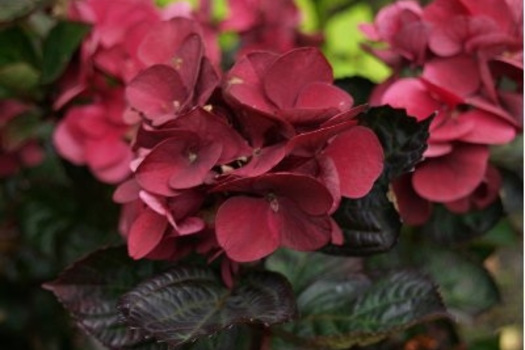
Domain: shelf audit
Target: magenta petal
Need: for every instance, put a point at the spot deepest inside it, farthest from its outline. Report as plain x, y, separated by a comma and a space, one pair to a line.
299, 230
243, 231
446, 128
158, 92
458, 74
358, 157
146, 233
452, 176
320, 95
187, 60
488, 128
290, 73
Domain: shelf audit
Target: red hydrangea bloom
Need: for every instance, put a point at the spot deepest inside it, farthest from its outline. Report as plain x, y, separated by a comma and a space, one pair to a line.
285, 161
471, 75
16, 152
94, 135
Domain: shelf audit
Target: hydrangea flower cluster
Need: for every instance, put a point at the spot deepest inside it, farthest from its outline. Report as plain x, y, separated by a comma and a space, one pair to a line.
239, 163
16, 150
463, 60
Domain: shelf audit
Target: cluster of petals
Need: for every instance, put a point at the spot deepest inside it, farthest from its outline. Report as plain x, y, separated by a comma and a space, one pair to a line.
118, 46
460, 60
267, 25
16, 149
242, 163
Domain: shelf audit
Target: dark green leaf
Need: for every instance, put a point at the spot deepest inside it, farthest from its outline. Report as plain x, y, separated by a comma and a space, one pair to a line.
59, 46
466, 285
403, 138
186, 303
362, 314
303, 269
13, 9
512, 197
358, 87
447, 228
16, 47
90, 289
370, 224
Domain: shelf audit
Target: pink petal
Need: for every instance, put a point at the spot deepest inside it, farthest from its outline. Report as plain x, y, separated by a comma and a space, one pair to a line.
107, 152
411, 94
452, 176
488, 128
458, 74
437, 149
115, 173
158, 92
67, 145
187, 60
243, 230
291, 72
358, 157
146, 233
126, 192
449, 127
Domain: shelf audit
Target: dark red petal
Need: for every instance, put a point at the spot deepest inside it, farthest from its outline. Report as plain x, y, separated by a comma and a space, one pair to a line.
157, 168
291, 72
319, 95
452, 176
411, 94
189, 172
299, 230
243, 230
358, 157
158, 92
488, 128
262, 161
145, 234
413, 209
306, 192
458, 74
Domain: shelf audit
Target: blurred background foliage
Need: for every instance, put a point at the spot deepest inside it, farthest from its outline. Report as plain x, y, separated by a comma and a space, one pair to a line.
55, 213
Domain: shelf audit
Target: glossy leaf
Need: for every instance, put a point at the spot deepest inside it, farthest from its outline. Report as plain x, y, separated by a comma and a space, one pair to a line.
466, 285
16, 47
403, 138
186, 303
361, 313
303, 269
449, 228
370, 224
90, 289
60, 45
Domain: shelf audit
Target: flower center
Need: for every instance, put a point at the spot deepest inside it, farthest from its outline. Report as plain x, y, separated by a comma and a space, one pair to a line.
274, 203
